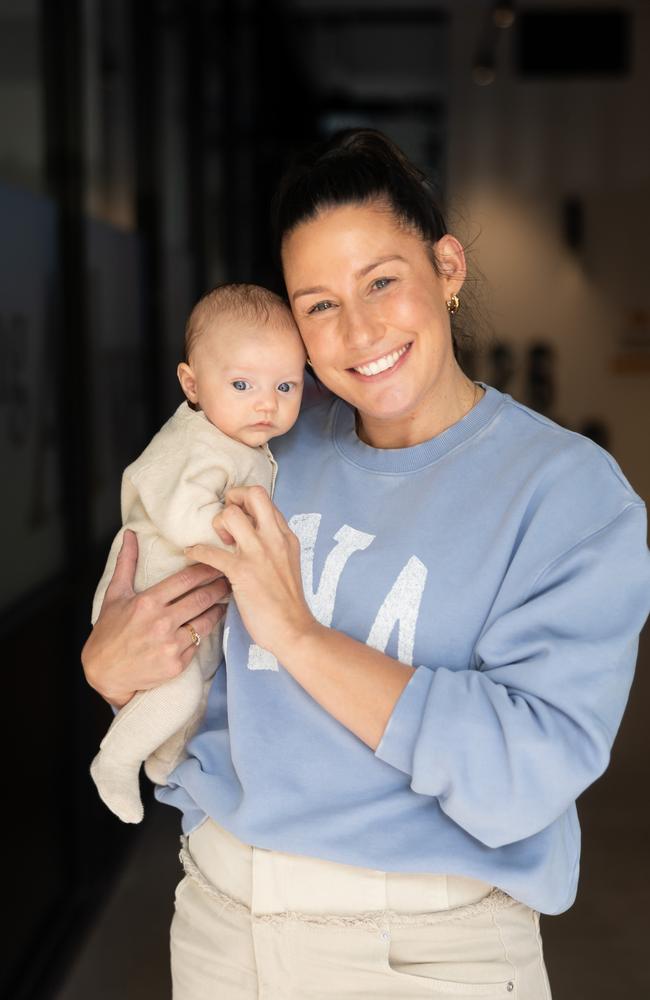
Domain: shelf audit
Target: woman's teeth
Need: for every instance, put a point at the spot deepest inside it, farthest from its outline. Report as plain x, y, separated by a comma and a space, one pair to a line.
382, 364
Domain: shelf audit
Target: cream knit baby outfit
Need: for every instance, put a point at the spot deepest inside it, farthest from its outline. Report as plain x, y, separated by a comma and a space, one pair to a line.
170, 495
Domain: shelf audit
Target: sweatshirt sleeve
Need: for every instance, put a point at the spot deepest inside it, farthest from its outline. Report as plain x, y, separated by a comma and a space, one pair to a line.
182, 495
507, 747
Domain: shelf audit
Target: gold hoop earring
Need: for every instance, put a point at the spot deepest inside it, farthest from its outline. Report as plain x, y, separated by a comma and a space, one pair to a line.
453, 305
309, 363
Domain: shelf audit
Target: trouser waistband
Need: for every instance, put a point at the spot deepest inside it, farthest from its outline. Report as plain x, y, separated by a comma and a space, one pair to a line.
268, 881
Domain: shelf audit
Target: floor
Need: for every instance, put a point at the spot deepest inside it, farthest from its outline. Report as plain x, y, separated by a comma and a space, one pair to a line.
598, 950
595, 951
125, 955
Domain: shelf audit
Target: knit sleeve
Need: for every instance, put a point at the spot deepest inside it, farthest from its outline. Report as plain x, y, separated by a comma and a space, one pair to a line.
507, 747
182, 495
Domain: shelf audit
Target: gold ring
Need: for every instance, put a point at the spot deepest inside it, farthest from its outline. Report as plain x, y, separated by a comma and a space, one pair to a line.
196, 638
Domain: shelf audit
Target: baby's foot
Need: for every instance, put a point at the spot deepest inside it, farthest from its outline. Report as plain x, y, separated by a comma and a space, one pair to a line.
118, 787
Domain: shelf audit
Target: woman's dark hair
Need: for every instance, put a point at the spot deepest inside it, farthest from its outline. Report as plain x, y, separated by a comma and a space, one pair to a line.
356, 166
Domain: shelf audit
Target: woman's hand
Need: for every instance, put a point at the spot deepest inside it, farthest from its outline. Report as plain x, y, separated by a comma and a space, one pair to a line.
355, 683
263, 570
139, 640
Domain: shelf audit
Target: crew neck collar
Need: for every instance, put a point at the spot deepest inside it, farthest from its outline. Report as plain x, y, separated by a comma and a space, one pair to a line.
418, 456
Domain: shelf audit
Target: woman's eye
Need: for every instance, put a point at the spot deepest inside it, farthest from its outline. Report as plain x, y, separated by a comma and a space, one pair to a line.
381, 283
285, 386
240, 384
319, 307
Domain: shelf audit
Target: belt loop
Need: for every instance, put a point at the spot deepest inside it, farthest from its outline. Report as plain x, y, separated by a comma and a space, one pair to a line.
270, 882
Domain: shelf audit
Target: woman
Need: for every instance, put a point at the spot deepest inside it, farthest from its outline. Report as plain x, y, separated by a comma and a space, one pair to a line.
431, 649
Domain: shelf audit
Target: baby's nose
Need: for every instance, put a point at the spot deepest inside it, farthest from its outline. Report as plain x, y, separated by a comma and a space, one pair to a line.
267, 402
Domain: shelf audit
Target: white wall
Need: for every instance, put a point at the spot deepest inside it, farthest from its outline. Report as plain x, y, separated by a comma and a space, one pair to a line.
517, 149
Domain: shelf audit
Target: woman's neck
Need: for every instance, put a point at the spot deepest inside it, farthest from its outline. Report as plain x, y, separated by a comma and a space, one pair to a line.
434, 415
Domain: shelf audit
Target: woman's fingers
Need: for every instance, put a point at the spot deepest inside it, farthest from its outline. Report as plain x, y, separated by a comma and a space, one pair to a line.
197, 603
281, 521
224, 535
240, 525
255, 502
184, 580
204, 625
121, 584
137, 643
187, 656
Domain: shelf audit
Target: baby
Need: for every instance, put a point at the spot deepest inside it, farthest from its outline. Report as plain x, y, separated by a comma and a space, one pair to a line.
243, 379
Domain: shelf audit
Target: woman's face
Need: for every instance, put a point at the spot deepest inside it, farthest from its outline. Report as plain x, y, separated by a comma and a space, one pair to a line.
371, 309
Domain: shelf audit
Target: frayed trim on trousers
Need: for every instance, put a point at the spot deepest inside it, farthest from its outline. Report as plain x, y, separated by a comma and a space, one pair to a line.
372, 920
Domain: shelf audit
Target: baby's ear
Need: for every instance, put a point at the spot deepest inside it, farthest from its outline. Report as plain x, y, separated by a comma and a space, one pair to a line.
188, 382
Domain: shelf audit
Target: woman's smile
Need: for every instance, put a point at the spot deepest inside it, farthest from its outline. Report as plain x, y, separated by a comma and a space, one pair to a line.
384, 366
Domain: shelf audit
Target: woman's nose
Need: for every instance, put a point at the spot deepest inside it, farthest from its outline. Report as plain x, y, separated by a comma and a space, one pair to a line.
360, 327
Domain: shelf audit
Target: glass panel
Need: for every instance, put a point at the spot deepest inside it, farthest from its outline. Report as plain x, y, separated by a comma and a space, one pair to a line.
119, 400
177, 253
21, 104
29, 426
109, 119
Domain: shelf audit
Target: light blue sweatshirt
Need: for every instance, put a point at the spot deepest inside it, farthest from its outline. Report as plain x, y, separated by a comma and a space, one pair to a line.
506, 560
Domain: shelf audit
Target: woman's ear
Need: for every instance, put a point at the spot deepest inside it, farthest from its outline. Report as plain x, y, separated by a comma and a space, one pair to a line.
450, 258
187, 380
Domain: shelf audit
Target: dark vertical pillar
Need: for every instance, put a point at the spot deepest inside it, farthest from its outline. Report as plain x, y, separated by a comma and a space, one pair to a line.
194, 37
237, 137
63, 46
285, 119
212, 154
62, 41
91, 844
146, 48
229, 229
48, 627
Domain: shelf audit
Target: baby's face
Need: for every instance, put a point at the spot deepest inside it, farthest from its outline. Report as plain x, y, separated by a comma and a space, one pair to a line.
249, 379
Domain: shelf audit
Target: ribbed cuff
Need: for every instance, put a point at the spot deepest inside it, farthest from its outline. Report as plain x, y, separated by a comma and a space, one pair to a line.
397, 745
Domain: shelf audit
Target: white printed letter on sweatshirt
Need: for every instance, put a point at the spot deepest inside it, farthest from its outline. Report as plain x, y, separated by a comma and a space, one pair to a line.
401, 607
321, 601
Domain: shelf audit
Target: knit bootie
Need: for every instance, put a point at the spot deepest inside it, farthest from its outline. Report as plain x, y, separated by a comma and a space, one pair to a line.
118, 785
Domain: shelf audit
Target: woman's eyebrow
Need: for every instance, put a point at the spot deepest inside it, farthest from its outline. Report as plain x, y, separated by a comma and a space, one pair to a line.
307, 291
317, 289
380, 260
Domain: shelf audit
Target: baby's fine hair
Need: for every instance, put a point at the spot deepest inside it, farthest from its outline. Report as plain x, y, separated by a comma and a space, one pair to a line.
236, 301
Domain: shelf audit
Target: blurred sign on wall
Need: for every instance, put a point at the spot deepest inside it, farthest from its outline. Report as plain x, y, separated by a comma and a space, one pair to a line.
633, 347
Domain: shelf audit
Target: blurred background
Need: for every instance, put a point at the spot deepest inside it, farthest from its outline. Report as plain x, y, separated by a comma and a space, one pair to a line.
140, 143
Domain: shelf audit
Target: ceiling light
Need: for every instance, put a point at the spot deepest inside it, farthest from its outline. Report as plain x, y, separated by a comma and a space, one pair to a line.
503, 14
484, 71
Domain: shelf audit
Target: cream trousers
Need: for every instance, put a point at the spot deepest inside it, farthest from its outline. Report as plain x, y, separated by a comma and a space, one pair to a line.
254, 924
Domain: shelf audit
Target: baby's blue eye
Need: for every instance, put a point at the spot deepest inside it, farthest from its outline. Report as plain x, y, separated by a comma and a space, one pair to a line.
285, 386
240, 384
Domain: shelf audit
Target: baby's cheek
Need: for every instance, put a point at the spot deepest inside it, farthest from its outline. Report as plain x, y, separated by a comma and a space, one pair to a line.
295, 408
